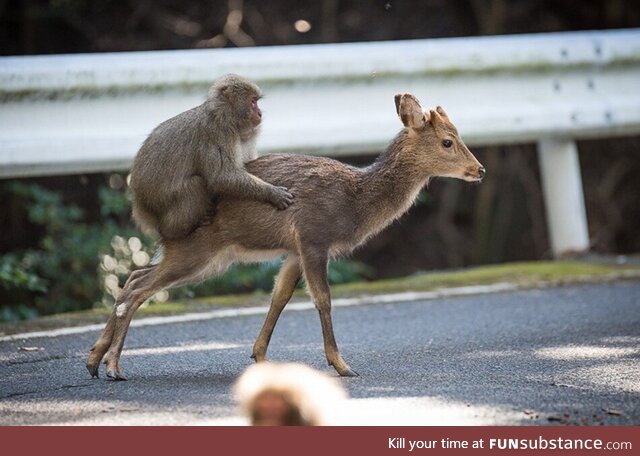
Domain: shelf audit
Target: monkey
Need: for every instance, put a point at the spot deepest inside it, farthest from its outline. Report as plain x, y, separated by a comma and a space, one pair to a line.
191, 158
288, 394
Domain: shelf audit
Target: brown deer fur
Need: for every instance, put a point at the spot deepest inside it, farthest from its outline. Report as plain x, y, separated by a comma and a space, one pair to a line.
337, 208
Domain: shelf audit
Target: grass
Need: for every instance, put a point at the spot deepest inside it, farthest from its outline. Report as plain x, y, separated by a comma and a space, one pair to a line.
530, 274
520, 273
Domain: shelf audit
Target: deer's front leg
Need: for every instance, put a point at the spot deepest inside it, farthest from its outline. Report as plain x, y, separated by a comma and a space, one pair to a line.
315, 272
283, 289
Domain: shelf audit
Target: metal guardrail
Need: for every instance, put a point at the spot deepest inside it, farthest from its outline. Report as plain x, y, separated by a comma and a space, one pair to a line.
83, 113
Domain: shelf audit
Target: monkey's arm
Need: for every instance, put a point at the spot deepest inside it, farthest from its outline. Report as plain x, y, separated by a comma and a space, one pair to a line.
241, 184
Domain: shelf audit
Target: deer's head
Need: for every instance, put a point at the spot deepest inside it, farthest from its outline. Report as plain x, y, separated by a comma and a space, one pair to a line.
435, 141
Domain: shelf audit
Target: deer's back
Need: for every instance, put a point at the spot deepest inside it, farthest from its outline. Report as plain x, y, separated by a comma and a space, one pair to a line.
324, 210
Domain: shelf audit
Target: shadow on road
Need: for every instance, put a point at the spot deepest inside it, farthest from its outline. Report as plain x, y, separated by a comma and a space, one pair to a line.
560, 356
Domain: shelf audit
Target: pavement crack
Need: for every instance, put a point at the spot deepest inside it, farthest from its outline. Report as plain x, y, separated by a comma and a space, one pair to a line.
83, 385
9, 396
59, 388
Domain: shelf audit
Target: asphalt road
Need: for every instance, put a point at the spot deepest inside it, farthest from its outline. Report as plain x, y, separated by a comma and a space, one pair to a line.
567, 355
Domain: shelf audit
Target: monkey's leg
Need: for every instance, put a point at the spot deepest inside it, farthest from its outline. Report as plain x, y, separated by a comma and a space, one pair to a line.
104, 341
282, 291
209, 214
315, 273
187, 210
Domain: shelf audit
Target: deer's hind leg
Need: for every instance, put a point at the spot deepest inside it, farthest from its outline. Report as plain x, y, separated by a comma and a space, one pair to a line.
285, 284
179, 267
104, 341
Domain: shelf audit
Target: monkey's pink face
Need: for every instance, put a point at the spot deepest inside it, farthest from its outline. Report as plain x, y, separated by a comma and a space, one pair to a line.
256, 113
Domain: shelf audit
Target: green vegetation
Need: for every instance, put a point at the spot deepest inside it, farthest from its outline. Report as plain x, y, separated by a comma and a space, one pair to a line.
526, 274
60, 274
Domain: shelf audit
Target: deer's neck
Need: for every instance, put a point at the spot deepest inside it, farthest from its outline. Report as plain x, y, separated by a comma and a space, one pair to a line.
389, 186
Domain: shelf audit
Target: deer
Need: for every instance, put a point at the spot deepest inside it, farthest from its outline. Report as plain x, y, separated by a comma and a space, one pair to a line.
337, 208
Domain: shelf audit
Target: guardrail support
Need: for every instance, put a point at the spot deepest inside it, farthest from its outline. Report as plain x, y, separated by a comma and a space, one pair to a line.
562, 187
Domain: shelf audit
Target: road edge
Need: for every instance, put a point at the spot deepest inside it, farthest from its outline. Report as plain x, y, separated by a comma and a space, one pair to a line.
408, 296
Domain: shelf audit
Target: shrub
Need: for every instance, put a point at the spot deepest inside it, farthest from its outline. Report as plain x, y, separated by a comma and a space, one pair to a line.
60, 274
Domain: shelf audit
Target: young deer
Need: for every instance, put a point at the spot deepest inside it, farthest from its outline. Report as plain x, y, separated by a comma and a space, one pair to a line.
337, 208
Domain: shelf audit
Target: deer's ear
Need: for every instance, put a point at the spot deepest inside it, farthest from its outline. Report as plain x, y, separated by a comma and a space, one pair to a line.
409, 109
397, 99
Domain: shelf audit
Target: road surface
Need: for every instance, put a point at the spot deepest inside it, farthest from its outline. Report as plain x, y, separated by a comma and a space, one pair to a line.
566, 355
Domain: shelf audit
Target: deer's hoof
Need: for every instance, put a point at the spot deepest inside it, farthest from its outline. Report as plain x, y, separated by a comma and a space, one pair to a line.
93, 369
116, 375
348, 372
258, 357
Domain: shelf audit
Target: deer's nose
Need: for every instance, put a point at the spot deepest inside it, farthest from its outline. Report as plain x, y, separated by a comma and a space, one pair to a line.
481, 172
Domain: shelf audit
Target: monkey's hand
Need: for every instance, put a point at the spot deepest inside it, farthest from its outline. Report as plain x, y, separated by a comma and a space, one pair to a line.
281, 197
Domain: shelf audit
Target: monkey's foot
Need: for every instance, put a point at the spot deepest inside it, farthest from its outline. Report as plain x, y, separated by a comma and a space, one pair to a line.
206, 220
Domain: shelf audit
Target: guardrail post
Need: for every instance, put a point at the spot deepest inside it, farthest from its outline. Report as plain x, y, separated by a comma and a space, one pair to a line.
564, 199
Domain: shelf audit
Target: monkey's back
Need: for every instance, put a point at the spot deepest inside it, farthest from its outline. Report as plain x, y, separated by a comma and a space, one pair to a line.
167, 154
167, 158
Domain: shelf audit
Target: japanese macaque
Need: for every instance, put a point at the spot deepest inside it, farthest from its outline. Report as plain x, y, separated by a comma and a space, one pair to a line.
190, 159
289, 394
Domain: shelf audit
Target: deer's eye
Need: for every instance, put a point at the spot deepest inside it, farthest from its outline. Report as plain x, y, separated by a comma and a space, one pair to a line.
447, 143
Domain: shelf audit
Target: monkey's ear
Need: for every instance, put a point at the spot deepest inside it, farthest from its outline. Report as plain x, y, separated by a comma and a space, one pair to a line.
226, 92
409, 109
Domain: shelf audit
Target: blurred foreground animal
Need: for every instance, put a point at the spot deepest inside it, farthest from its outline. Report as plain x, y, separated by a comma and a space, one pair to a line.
338, 207
272, 394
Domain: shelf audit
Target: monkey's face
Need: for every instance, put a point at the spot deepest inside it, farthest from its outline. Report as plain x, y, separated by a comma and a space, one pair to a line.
238, 97
248, 112
255, 116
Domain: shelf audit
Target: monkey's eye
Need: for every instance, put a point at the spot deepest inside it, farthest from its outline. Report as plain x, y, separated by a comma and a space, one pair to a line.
447, 143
